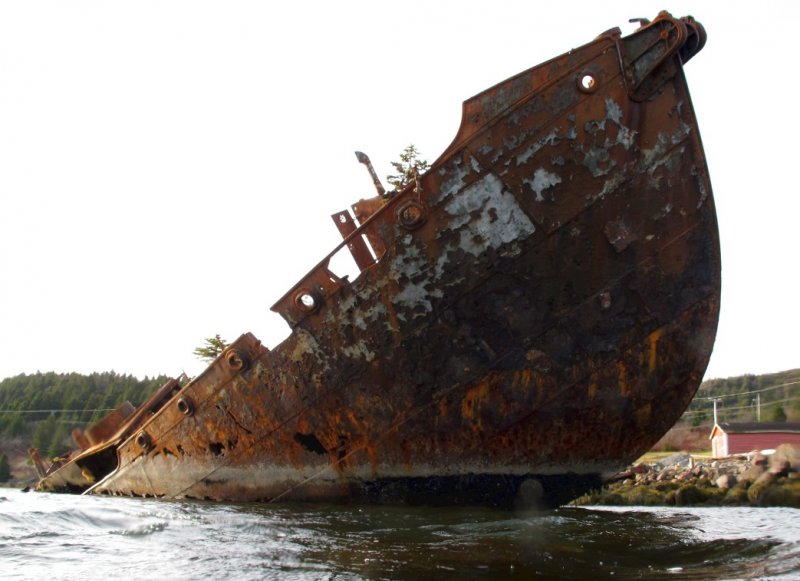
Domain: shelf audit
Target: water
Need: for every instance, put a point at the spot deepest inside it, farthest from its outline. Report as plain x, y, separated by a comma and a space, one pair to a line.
46, 536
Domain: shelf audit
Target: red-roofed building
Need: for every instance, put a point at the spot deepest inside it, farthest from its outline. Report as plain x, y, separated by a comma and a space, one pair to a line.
728, 439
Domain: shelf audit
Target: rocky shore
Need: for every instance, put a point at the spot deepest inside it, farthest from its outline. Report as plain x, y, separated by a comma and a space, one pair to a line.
756, 479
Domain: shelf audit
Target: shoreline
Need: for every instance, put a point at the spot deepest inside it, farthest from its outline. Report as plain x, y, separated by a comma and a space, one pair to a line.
755, 479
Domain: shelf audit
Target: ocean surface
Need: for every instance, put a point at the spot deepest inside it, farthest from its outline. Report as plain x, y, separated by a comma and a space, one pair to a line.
47, 536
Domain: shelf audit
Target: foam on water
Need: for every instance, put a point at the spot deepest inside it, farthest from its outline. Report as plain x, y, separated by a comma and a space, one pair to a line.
76, 537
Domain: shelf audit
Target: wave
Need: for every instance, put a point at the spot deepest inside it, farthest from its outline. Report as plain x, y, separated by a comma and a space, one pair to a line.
94, 538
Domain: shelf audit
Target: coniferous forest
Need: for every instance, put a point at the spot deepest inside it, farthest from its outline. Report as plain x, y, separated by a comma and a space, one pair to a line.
771, 397
40, 410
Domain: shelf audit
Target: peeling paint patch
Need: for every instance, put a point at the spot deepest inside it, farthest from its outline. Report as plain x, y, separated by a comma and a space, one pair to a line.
410, 270
359, 350
515, 140
501, 220
414, 295
663, 212
701, 186
595, 159
410, 264
681, 133
626, 137
661, 155
306, 344
613, 111
454, 181
476, 167
361, 318
609, 186
550, 139
572, 132
542, 180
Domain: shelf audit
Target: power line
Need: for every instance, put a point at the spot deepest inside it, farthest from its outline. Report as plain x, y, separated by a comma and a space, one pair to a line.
748, 392
746, 407
707, 426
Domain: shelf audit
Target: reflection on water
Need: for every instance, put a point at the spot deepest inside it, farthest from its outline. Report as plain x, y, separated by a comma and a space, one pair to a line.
70, 537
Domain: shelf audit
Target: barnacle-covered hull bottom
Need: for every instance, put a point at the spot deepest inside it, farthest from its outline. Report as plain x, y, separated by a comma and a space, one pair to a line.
531, 314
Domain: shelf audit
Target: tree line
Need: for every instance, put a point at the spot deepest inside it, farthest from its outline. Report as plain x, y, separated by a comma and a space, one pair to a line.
747, 398
40, 410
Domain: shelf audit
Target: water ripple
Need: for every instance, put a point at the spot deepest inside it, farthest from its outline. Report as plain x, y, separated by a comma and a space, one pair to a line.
68, 537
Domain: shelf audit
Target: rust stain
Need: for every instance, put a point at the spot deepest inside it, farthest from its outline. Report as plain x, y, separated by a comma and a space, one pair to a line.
557, 261
653, 360
471, 402
622, 379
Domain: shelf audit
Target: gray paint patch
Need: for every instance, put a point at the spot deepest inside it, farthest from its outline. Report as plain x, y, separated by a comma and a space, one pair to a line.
499, 222
411, 271
550, 139
542, 180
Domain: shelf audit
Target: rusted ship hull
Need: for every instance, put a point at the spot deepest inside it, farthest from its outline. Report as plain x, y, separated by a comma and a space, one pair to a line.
533, 313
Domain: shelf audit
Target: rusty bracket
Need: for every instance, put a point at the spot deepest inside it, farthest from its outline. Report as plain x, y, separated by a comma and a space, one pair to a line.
648, 55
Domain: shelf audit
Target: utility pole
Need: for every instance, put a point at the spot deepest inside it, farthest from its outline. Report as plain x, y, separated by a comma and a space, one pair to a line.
758, 407
715, 412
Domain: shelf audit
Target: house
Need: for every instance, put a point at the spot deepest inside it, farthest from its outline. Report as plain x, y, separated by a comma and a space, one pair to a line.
740, 438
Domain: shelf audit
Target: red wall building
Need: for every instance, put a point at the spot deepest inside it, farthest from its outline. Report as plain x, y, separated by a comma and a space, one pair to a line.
740, 438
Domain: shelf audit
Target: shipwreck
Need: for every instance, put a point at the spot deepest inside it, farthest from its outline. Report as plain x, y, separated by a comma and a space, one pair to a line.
531, 314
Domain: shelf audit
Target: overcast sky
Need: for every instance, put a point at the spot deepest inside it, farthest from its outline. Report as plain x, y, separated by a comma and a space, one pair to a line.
168, 169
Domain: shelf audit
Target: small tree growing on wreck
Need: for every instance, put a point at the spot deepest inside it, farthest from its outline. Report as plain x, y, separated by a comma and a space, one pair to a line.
409, 166
210, 348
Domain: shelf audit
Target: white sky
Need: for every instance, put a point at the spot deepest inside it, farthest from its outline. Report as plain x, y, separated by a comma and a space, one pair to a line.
168, 169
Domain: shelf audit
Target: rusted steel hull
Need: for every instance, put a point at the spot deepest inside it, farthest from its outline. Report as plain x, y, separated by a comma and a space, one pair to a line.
535, 312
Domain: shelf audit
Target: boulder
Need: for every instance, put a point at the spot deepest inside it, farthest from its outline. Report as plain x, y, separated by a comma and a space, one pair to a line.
752, 474
726, 481
788, 453
765, 479
779, 468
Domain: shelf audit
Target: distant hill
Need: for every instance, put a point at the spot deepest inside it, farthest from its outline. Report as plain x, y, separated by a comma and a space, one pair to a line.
40, 409
769, 397
744, 398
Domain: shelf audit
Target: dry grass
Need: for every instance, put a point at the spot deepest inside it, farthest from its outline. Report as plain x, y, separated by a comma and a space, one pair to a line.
654, 456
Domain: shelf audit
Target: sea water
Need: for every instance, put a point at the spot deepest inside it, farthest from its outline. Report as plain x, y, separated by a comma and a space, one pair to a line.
49, 536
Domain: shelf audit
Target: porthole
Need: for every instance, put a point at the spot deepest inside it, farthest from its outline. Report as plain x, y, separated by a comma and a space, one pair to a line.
587, 82
235, 360
306, 300
411, 215
143, 441
185, 405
